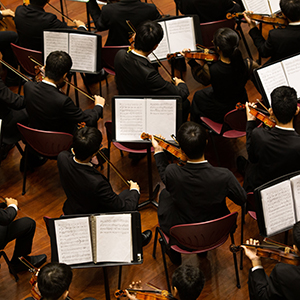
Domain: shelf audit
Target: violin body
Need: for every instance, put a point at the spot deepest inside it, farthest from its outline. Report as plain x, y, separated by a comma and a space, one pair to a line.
7, 23
201, 55
147, 294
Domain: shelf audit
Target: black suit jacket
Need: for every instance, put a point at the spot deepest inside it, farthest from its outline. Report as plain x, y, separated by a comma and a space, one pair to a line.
113, 18
49, 109
88, 191
271, 153
196, 192
283, 283
280, 44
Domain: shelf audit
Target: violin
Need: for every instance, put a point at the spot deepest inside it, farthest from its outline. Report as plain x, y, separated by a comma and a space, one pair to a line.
7, 23
177, 152
202, 55
259, 115
272, 253
146, 294
263, 18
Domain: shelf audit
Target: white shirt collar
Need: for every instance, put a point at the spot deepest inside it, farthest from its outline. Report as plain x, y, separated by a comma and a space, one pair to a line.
294, 23
197, 162
135, 53
80, 163
48, 82
283, 128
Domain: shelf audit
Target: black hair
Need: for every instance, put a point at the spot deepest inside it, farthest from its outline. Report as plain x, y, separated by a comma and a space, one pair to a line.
192, 139
296, 234
227, 40
40, 3
189, 282
291, 9
148, 34
53, 280
284, 103
86, 142
58, 63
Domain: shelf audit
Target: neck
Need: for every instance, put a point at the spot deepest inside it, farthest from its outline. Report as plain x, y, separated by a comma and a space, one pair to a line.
50, 80
83, 161
197, 159
142, 52
288, 125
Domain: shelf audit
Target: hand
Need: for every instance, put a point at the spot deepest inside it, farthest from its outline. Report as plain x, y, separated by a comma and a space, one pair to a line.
134, 185
250, 117
10, 201
182, 53
250, 22
99, 100
251, 252
79, 23
8, 13
177, 81
134, 285
156, 146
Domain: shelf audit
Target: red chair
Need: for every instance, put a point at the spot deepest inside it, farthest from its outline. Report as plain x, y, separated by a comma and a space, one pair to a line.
200, 237
46, 143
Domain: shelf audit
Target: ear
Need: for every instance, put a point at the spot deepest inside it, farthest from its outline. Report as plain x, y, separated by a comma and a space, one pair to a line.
296, 248
64, 295
174, 291
65, 75
271, 111
297, 110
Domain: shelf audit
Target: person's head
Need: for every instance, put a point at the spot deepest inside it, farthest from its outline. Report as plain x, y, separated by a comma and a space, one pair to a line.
284, 103
86, 142
40, 3
187, 282
296, 235
148, 36
58, 63
291, 9
54, 280
192, 139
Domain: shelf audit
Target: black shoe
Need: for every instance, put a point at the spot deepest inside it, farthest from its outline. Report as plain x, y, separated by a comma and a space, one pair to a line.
146, 237
175, 257
35, 260
241, 163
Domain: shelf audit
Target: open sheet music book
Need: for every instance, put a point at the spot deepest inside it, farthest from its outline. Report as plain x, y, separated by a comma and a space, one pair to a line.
262, 6
285, 72
280, 204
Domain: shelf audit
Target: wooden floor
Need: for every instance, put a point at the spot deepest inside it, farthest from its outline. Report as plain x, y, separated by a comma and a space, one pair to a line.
45, 196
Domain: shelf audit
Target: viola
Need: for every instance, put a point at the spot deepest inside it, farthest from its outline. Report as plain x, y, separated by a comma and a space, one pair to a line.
7, 23
268, 19
202, 55
177, 152
147, 294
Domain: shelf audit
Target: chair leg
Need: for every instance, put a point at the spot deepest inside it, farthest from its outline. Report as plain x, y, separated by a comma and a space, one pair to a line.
155, 243
11, 269
238, 284
165, 263
25, 170
242, 234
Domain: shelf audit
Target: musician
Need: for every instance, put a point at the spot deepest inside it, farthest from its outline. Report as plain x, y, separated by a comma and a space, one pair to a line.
22, 230
32, 20
53, 282
197, 191
113, 17
48, 108
283, 281
228, 77
135, 75
276, 152
281, 42
87, 190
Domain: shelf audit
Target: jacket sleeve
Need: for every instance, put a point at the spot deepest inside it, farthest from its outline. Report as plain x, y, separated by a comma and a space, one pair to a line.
7, 216
251, 143
235, 192
12, 100
199, 72
263, 46
161, 164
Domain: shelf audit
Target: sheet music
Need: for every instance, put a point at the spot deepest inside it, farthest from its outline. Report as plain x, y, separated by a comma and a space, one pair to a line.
73, 240
272, 77
55, 41
130, 119
114, 242
83, 51
295, 182
278, 207
163, 47
274, 4
257, 6
161, 117
292, 71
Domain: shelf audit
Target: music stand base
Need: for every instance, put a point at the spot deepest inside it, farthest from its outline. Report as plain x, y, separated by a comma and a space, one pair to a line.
151, 198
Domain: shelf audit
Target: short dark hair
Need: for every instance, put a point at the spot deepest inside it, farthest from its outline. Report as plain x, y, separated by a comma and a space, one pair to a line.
54, 279
192, 139
86, 142
284, 103
58, 63
148, 34
189, 282
40, 3
296, 234
291, 9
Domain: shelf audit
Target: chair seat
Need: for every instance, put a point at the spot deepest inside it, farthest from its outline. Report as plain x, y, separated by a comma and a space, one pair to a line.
234, 134
252, 214
217, 127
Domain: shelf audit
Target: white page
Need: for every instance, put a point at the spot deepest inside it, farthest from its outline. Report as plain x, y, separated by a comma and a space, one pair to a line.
278, 207
55, 41
295, 182
181, 32
257, 6
161, 117
114, 242
163, 47
292, 71
73, 240
274, 4
83, 51
130, 119
272, 77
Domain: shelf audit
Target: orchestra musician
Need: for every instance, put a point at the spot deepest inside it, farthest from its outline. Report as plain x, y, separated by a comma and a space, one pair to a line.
87, 190
197, 191
228, 77
283, 280
31, 21
22, 230
281, 42
275, 152
53, 282
135, 75
113, 17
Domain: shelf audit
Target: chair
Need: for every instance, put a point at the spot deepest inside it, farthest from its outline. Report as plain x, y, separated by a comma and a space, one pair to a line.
11, 269
200, 237
46, 143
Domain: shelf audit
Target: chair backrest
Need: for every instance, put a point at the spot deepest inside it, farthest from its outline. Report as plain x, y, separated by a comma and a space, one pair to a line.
47, 143
208, 29
108, 57
22, 55
236, 119
206, 235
